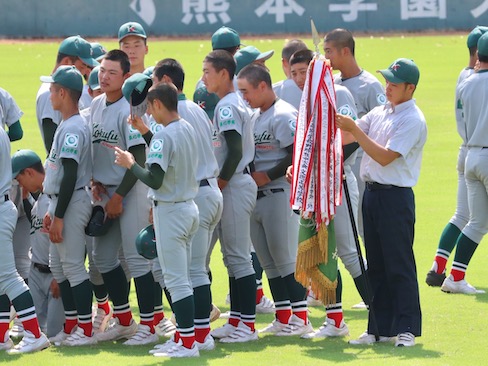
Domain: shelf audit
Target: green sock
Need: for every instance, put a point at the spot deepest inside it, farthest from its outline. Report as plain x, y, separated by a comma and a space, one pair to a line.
449, 237
203, 301
184, 310
82, 296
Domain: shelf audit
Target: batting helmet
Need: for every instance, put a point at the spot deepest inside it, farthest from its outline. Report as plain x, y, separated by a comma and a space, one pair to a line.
146, 243
98, 225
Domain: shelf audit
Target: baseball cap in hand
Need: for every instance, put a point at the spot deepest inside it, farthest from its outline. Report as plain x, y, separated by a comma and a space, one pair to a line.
146, 243
67, 76
248, 55
148, 71
93, 81
225, 37
483, 45
77, 46
205, 100
23, 159
135, 91
131, 29
400, 71
99, 224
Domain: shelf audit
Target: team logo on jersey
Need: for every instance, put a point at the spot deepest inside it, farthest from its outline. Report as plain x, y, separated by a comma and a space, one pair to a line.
156, 145
226, 116
70, 145
134, 133
293, 125
345, 109
381, 98
263, 140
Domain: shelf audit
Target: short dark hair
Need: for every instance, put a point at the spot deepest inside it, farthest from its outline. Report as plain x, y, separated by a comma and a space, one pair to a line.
222, 60
60, 57
342, 38
120, 57
38, 167
482, 58
171, 68
291, 47
254, 74
472, 50
75, 95
232, 50
303, 56
166, 93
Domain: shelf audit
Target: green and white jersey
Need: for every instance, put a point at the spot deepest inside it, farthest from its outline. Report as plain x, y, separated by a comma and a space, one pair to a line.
9, 110
5, 164
110, 128
44, 108
198, 119
154, 127
274, 131
366, 90
71, 141
473, 93
39, 240
461, 126
288, 91
174, 150
231, 113
345, 105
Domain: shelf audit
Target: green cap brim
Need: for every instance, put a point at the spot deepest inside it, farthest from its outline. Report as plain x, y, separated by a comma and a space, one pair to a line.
388, 75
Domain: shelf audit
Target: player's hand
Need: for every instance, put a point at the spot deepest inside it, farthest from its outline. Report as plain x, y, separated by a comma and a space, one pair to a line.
124, 158
56, 230
289, 174
345, 123
138, 124
54, 288
151, 219
222, 183
24, 192
97, 190
261, 178
114, 207
46, 223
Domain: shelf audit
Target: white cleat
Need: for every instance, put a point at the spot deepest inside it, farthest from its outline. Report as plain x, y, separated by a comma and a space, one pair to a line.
273, 328
459, 287
367, 339
160, 348
7, 342
100, 319
61, 336
359, 306
265, 306
79, 338
295, 326
165, 328
117, 331
241, 334
328, 329
179, 351
406, 339
224, 331
17, 330
143, 336
29, 343
207, 345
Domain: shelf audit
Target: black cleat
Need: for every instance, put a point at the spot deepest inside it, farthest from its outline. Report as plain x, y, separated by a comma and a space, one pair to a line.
435, 279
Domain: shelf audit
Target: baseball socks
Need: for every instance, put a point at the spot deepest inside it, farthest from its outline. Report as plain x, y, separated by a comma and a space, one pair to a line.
334, 311
158, 303
464, 252
82, 295
203, 305
259, 277
235, 304
281, 299
447, 242
4, 319
70, 312
184, 310
145, 299
246, 286
101, 296
26, 312
117, 288
298, 295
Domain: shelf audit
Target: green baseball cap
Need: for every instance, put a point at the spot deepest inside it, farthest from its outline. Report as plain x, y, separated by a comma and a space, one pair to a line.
93, 81
475, 35
77, 46
98, 50
483, 45
225, 37
205, 100
400, 71
23, 159
131, 29
248, 55
148, 71
135, 90
67, 76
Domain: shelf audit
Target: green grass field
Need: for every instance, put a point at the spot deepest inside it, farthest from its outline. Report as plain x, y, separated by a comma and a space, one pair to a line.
454, 326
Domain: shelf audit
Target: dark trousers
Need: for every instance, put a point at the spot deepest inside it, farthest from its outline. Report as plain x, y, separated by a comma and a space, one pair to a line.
389, 218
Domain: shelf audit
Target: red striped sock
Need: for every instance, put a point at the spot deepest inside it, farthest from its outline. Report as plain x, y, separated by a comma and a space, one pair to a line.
259, 295
105, 306
124, 317
149, 323
302, 315
283, 316
336, 317
32, 325
188, 341
69, 324
457, 275
201, 334
87, 328
441, 264
3, 329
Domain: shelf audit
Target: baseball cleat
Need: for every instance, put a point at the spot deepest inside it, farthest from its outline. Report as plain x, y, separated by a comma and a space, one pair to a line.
265, 306
179, 351
241, 334
207, 345
117, 331
367, 339
435, 279
273, 328
405, 340
159, 348
7, 342
224, 331
360, 306
143, 336
295, 326
101, 319
17, 330
165, 328
61, 336
79, 338
30, 343
459, 287
328, 329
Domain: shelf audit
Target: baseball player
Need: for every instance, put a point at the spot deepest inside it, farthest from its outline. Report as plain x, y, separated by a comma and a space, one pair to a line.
274, 226
234, 150
98, 51
471, 92
12, 286
392, 137
68, 171
334, 325
28, 170
127, 205
208, 198
133, 41
450, 234
287, 89
72, 51
171, 175
10, 114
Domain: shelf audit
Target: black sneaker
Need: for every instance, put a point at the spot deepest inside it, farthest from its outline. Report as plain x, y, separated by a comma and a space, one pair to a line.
435, 279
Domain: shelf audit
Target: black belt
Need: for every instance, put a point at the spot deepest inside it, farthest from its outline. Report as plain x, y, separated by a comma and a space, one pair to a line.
51, 196
5, 197
204, 183
374, 186
261, 194
43, 268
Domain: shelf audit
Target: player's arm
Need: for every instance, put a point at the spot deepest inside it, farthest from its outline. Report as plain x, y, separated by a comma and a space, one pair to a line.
234, 156
279, 170
15, 131
48, 130
129, 179
147, 137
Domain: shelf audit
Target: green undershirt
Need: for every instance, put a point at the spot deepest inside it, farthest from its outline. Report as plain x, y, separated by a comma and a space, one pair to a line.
129, 179
234, 154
